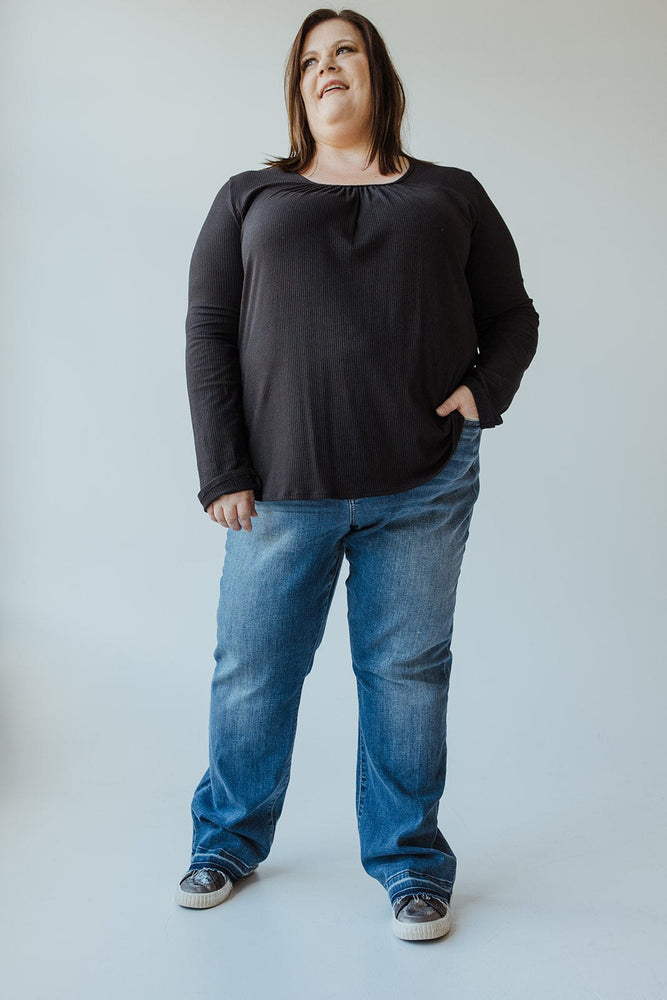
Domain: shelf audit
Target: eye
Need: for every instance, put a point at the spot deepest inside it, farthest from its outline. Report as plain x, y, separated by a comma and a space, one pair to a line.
304, 64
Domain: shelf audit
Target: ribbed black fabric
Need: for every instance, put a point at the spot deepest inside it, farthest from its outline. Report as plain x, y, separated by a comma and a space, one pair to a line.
326, 322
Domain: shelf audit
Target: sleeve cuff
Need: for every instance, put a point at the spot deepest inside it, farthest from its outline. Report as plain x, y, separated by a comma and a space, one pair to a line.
488, 415
245, 479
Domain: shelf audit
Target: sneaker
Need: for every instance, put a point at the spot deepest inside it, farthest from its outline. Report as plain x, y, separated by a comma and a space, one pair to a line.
203, 887
420, 919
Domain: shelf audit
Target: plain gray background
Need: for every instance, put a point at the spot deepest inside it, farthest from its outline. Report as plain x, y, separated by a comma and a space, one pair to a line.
121, 121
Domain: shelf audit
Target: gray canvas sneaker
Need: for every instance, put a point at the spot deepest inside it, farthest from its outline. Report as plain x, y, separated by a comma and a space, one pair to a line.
203, 887
418, 918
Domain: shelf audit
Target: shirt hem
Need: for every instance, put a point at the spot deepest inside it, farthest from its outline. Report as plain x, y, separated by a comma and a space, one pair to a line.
363, 495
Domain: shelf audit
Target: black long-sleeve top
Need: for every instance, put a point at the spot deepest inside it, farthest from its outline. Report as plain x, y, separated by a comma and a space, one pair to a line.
326, 322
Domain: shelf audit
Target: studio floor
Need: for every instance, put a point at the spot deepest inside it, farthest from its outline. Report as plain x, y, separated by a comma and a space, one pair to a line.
557, 896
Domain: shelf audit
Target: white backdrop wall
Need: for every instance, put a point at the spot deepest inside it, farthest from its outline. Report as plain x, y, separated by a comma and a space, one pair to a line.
121, 122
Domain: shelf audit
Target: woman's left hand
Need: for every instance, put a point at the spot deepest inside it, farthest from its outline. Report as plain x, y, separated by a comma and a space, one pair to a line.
461, 399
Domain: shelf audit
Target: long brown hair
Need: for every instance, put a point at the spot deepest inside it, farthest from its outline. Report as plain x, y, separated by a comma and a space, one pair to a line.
388, 98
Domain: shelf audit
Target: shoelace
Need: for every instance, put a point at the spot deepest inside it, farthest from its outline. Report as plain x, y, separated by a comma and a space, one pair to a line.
201, 876
434, 902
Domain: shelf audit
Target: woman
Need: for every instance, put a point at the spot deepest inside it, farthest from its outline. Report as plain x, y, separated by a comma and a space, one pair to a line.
356, 317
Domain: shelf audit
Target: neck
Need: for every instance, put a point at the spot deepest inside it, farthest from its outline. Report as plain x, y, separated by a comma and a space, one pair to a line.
341, 152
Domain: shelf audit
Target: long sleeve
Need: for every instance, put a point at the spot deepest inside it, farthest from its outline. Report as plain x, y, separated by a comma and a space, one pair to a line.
327, 321
504, 316
213, 372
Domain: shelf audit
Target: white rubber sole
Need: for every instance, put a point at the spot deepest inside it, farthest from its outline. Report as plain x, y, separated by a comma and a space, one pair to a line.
424, 930
202, 900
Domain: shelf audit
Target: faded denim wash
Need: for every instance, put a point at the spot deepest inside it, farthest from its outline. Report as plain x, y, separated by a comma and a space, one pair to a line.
405, 552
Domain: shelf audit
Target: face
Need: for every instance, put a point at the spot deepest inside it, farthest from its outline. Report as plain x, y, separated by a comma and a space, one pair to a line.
335, 50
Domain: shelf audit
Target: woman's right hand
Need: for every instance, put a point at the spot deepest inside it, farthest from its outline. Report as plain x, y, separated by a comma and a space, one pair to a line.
234, 510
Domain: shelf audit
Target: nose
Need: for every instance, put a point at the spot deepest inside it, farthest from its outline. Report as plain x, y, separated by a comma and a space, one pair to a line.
326, 64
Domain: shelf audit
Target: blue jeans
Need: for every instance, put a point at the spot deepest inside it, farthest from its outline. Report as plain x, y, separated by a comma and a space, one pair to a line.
404, 551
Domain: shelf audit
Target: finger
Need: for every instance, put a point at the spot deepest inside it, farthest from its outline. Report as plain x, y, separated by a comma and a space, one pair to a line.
446, 407
232, 518
219, 515
244, 511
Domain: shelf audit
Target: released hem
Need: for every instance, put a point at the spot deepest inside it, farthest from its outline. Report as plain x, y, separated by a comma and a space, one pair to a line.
412, 883
221, 862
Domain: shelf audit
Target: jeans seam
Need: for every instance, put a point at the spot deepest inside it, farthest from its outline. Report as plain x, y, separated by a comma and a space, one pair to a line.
333, 573
362, 773
284, 781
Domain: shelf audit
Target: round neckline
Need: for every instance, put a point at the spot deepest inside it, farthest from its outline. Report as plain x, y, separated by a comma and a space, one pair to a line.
411, 165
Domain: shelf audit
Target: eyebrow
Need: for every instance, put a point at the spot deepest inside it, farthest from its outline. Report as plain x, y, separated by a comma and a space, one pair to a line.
311, 52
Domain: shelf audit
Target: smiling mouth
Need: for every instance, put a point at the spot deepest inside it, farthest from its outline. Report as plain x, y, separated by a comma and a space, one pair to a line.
331, 90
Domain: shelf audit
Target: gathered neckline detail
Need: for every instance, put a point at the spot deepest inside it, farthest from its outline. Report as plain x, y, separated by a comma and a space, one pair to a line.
411, 165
